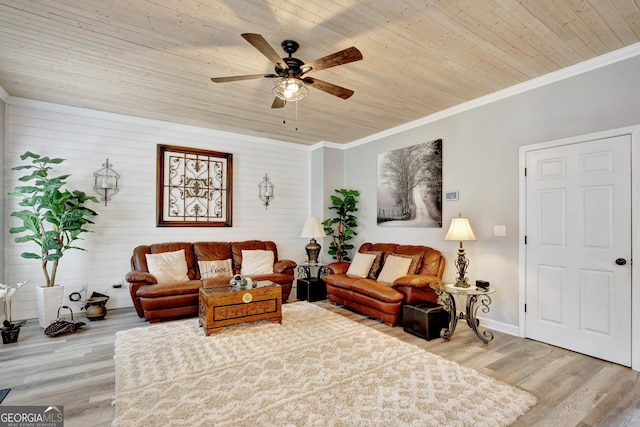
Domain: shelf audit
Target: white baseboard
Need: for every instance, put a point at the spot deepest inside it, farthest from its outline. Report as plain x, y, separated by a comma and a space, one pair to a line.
499, 326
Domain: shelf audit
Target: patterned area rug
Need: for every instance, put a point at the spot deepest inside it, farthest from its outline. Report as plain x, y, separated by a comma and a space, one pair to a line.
316, 369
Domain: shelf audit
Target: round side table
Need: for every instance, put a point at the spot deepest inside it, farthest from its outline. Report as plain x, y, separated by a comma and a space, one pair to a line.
477, 299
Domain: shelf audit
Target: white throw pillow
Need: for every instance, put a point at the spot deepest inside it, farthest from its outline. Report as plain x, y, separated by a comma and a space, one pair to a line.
217, 268
168, 267
393, 268
361, 265
256, 262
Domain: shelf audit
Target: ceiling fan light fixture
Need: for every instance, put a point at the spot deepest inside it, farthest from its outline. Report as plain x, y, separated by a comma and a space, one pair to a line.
290, 89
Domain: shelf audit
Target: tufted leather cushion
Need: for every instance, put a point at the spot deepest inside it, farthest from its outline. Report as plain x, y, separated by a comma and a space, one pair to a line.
211, 251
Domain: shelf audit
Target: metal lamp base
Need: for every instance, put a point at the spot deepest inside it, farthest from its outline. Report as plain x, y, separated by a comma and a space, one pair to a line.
461, 264
313, 250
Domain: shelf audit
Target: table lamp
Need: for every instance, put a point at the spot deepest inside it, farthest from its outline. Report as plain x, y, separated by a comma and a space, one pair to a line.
312, 229
460, 230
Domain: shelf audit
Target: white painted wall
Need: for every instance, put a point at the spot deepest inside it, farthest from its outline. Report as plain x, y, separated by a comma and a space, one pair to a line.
480, 160
86, 138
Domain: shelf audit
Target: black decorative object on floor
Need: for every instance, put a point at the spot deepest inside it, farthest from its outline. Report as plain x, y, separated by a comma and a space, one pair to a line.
311, 289
3, 393
61, 326
425, 319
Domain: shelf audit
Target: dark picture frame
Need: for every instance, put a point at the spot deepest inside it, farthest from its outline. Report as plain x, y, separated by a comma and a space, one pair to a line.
410, 186
193, 187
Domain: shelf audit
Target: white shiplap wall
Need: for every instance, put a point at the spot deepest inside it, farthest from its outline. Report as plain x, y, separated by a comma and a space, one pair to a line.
85, 138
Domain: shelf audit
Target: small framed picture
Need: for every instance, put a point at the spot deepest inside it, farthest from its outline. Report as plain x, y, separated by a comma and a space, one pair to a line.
451, 195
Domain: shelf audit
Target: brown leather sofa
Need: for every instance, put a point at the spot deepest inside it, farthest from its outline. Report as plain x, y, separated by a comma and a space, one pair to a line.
157, 301
385, 301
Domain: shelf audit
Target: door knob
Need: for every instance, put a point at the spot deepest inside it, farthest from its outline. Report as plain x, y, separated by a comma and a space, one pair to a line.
621, 261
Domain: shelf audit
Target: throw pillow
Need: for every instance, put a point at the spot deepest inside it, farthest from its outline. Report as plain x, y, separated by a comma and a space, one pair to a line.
217, 268
394, 267
377, 264
361, 265
415, 262
168, 267
256, 262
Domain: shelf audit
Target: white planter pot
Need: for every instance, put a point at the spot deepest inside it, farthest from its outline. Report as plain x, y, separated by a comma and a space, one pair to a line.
49, 301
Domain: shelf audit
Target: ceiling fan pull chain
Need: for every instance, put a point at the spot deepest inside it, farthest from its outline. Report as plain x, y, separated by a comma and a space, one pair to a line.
284, 113
296, 116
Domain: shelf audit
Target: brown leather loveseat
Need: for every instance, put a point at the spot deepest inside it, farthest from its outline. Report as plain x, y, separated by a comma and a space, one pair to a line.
384, 301
156, 301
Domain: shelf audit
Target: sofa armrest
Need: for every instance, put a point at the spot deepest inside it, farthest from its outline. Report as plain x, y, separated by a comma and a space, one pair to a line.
416, 281
136, 280
141, 276
284, 266
415, 287
339, 267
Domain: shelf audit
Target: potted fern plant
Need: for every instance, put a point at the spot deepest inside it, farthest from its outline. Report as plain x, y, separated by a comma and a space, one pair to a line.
340, 228
53, 218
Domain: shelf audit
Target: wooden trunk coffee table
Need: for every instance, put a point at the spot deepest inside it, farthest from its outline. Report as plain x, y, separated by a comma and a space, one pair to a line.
222, 306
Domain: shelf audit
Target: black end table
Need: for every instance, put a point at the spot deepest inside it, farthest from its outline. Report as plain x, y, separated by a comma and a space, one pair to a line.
310, 286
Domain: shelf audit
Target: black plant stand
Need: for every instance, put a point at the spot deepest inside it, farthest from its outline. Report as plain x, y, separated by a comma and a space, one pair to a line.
310, 286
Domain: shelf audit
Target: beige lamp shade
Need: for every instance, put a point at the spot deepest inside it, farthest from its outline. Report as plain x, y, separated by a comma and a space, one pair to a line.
312, 228
460, 229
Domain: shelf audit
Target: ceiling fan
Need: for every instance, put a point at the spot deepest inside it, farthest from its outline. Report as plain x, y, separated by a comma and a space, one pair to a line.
292, 83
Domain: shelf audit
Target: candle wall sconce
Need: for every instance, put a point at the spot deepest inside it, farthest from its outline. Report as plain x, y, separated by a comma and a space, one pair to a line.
106, 182
265, 191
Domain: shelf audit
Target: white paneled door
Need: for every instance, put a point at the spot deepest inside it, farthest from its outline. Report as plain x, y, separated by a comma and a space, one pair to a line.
578, 248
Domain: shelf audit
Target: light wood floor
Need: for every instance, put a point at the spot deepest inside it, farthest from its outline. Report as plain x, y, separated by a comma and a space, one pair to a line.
77, 371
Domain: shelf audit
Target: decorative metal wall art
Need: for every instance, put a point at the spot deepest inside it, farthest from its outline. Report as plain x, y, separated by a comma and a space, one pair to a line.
194, 187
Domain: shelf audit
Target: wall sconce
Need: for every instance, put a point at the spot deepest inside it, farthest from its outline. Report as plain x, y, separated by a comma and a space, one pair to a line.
265, 191
106, 182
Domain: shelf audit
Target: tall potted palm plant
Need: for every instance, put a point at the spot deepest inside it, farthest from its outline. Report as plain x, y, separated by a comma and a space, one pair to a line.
340, 228
53, 218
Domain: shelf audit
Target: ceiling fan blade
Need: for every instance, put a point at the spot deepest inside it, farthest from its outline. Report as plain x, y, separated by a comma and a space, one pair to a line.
345, 56
336, 90
237, 78
265, 48
277, 103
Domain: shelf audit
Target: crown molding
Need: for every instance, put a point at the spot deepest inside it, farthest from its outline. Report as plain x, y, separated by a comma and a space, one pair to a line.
4, 95
326, 144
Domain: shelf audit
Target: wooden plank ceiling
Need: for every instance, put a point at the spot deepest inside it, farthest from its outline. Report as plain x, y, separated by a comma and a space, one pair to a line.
154, 58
